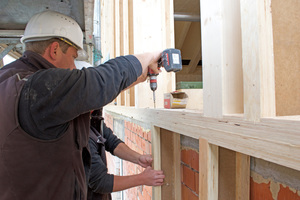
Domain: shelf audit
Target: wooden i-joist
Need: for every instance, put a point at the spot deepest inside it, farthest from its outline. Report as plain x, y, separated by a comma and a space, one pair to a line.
251, 98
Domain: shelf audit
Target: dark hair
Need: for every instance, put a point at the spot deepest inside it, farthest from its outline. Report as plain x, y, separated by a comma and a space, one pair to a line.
40, 46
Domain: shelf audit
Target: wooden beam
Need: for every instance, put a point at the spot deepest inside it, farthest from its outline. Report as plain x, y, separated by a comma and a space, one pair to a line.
278, 143
195, 59
184, 29
221, 58
124, 31
208, 170
117, 34
156, 153
107, 28
258, 59
242, 180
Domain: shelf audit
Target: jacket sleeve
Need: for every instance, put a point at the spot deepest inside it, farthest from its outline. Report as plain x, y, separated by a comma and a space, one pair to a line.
99, 179
51, 98
112, 141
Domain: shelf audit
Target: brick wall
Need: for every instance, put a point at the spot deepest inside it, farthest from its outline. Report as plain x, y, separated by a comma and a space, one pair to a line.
137, 138
189, 174
268, 181
273, 182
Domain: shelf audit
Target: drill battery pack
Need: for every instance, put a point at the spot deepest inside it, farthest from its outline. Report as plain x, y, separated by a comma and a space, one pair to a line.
171, 60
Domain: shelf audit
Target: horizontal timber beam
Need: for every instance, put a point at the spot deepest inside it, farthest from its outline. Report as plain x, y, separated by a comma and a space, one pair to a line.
277, 141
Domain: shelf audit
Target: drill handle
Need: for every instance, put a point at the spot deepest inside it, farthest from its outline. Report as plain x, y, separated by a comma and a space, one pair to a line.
151, 72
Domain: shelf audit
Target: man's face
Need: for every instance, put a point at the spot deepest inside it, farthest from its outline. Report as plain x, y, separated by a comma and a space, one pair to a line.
66, 60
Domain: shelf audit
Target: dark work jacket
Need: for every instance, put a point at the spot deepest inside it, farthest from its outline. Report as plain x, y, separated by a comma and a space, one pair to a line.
34, 166
101, 140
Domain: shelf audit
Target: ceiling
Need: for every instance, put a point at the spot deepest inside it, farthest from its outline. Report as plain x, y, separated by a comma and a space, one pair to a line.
14, 15
188, 39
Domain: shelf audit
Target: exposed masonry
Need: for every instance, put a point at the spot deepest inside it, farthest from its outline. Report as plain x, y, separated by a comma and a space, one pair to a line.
277, 173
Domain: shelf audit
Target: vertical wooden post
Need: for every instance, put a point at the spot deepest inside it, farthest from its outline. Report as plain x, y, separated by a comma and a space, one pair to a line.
208, 170
156, 153
242, 183
258, 59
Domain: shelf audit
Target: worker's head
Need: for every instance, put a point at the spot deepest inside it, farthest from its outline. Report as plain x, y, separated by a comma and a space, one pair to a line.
50, 33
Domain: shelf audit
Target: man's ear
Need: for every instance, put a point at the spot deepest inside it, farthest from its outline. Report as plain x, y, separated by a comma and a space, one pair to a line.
53, 50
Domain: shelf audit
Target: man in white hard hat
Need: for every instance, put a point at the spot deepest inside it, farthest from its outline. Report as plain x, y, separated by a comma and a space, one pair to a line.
45, 106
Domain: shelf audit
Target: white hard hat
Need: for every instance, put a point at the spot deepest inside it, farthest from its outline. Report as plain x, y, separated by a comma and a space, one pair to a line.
51, 24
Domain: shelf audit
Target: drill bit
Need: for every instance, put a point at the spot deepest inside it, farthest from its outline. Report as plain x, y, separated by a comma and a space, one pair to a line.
154, 99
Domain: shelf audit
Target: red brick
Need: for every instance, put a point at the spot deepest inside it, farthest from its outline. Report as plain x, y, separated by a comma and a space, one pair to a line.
127, 133
285, 193
143, 144
147, 147
150, 148
189, 178
149, 136
148, 190
197, 183
138, 140
187, 194
260, 191
181, 173
140, 131
133, 135
185, 157
195, 160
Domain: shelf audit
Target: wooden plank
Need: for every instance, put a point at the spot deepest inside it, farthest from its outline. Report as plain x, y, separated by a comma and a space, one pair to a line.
117, 46
242, 177
124, 21
212, 52
107, 28
156, 153
262, 140
221, 58
258, 60
208, 170
170, 152
195, 59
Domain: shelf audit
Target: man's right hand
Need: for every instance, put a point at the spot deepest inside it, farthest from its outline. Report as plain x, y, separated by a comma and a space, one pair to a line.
148, 60
152, 177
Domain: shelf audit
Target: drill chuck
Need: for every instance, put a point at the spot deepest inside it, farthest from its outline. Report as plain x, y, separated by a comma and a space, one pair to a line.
153, 82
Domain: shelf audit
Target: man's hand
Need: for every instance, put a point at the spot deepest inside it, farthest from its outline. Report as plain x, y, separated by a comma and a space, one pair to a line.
152, 177
148, 60
145, 160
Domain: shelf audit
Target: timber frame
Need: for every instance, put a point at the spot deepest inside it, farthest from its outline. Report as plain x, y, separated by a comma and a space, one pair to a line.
250, 107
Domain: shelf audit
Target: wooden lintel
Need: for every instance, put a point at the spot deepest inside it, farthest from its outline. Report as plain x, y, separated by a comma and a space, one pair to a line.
278, 144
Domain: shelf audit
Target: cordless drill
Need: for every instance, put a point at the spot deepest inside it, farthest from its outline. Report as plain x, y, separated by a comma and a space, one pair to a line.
171, 60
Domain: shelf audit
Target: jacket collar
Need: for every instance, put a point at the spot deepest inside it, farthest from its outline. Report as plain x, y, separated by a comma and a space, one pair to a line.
36, 61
